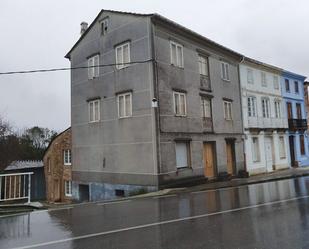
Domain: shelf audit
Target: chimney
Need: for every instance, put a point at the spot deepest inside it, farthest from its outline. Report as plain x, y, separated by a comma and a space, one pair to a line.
83, 27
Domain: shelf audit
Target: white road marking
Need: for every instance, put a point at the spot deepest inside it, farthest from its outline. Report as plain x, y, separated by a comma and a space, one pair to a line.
159, 223
163, 196
113, 202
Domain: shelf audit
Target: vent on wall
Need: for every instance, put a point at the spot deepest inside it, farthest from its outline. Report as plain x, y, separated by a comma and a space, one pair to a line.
119, 192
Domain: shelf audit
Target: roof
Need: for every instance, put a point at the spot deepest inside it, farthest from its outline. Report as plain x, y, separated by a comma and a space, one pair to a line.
293, 75
254, 61
51, 142
158, 17
28, 164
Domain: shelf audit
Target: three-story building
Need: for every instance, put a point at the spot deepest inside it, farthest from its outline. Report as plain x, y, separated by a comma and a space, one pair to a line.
294, 107
158, 105
264, 120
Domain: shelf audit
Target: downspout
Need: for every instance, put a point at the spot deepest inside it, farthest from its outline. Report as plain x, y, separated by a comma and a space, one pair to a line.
156, 97
241, 112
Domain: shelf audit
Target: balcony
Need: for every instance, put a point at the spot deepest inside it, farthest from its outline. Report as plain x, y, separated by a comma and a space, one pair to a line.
297, 124
205, 83
207, 125
273, 123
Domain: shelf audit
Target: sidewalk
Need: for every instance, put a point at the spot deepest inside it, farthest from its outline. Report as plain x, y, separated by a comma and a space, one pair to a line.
274, 176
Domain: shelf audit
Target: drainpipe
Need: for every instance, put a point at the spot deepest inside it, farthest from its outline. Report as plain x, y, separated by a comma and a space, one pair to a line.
241, 111
155, 97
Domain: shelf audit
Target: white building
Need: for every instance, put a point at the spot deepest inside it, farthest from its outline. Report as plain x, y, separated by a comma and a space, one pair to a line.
265, 124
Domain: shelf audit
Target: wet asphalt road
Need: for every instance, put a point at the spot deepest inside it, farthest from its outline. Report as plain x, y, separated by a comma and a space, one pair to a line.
268, 215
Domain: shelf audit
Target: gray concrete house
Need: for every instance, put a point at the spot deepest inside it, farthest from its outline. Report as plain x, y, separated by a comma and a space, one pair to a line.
162, 109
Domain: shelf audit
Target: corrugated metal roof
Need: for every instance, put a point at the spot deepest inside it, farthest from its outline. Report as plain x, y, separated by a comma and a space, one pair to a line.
28, 164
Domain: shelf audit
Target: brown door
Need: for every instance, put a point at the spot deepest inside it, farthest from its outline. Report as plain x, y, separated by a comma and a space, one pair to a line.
289, 109
230, 155
209, 162
292, 151
298, 110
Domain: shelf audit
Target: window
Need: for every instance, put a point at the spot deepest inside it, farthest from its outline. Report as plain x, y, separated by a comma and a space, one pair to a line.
265, 108
94, 111
203, 65
176, 54
277, 109
302, 144
296, 87
67, 157
104, 26
263, 78
287, 85
180, 106
282, 147
125, 105
93, 67
68, 188
225, 74
206, 107
122, 55
182, 154
227, 105
255, 149
298, 111
251, 106
250, 76
276, 82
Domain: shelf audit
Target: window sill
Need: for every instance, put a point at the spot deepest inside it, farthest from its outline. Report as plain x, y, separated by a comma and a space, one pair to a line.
122, 67
67, 195
94, 122
125, 117
67, 164
180, 67
180, 116
225, 80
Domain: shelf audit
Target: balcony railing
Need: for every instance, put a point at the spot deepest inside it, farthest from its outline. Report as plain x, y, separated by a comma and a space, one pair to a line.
259, 122
297, 124
205, 83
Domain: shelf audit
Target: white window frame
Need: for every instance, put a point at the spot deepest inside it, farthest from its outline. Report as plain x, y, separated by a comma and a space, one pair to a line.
92, 109
276, 82
179, 94
277, 104
93, 67
251, 102
206, 110
177, 62
282, 152
203, 65
264, 79
256, 155
104, 26
68, 188
225, 71
250, 78
188, 154
67, 157
228, 115
265, 108
122, 64
123, 97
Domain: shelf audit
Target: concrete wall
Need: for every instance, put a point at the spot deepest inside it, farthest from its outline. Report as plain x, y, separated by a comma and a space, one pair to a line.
191, 126
113, 150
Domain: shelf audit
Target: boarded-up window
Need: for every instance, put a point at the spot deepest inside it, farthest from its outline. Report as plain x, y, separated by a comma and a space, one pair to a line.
182, 154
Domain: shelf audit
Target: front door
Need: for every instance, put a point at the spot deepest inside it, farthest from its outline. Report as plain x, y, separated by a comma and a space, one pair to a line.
269, 154
292, 151
209, 162
230, 157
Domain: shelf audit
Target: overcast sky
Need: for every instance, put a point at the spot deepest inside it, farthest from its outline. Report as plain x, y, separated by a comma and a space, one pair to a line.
37, 34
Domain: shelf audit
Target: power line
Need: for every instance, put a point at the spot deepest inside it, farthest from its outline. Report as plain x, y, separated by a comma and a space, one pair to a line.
72, 68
